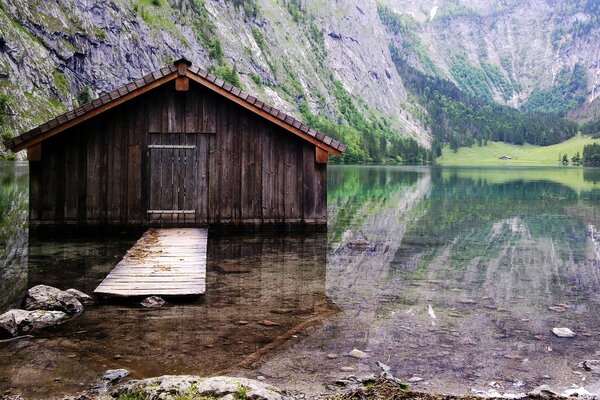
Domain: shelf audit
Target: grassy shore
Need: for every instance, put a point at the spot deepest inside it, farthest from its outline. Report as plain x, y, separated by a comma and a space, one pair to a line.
520, 155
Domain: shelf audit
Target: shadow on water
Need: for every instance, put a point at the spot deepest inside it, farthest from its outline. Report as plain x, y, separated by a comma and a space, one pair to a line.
442, 273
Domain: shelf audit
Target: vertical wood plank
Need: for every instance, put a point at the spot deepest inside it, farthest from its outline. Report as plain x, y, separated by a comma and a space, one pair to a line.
257, 139
71, 176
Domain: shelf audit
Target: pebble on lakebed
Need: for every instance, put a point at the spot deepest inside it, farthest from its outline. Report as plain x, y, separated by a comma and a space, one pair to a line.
564, 332
358, 354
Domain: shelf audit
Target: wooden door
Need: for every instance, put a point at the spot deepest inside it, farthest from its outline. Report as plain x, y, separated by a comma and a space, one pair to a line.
177, 190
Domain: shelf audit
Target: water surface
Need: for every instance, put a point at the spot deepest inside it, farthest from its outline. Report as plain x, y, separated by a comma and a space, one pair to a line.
442, 273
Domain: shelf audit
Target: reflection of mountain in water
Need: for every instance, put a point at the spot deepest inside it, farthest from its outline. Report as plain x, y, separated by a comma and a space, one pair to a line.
448, 275
13, 232
503, 239
366, 239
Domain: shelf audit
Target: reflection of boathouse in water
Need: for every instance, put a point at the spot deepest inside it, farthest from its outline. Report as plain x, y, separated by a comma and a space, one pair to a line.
178, 147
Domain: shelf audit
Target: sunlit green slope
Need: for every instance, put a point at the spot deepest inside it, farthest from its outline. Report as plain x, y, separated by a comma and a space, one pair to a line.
519, 154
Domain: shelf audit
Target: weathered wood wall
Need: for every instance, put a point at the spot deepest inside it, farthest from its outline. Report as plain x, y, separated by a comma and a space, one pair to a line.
241, 170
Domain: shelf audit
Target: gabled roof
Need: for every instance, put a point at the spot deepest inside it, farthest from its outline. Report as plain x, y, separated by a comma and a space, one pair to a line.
157, 78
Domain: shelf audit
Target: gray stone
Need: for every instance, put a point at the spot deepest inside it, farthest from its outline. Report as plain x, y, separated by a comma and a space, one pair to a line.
415, 379
42, 297
8, 326
83, 298
115, 375
153, 302
15, 323
43, 318
358, 354
563, 332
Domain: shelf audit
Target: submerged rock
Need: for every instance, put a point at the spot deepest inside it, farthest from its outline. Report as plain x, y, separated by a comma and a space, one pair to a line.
42, 297
115, 375
83, 298
153, 302
358, 354
173, 387
563, 332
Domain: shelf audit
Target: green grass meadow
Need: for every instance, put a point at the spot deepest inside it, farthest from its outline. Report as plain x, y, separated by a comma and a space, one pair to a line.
521, 155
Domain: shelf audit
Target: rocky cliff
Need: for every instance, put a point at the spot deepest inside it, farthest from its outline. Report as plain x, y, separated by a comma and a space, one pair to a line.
305, 56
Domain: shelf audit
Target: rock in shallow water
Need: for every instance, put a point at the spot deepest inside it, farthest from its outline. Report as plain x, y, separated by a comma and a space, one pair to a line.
42, 297
153, 302
563, 332
357, 354
21, 322
172, 387
115, 375
15, 323
43, 318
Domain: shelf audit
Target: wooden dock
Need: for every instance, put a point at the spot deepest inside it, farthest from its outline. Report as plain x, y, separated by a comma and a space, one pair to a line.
163, 262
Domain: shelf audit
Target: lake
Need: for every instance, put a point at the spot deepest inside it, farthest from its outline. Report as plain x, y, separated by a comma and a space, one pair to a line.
445, 274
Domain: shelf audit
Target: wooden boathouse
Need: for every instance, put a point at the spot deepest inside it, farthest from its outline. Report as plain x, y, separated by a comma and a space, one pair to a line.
177, 147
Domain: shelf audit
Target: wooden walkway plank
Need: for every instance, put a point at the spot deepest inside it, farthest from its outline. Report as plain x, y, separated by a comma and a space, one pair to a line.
163, 262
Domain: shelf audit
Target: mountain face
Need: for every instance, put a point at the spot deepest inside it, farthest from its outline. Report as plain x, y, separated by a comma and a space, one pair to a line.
330, 63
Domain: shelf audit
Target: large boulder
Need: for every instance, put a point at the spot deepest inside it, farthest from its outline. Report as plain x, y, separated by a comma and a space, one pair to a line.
15, 323
221, 387
42, 297
22, 322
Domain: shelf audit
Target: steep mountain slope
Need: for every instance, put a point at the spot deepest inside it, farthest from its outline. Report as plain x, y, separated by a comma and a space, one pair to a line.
513, 51
326, 62
53, 52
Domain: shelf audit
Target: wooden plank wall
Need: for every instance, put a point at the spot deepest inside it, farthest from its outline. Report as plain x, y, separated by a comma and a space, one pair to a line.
245, 171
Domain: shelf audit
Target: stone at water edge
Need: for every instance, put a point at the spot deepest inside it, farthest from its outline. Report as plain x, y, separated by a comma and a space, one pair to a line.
153, 302
332, 356
347, 368
83, 298
115, 375
42, 297
169, 386
563, 332
358, 354
15, 323
415, 379
43, 318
